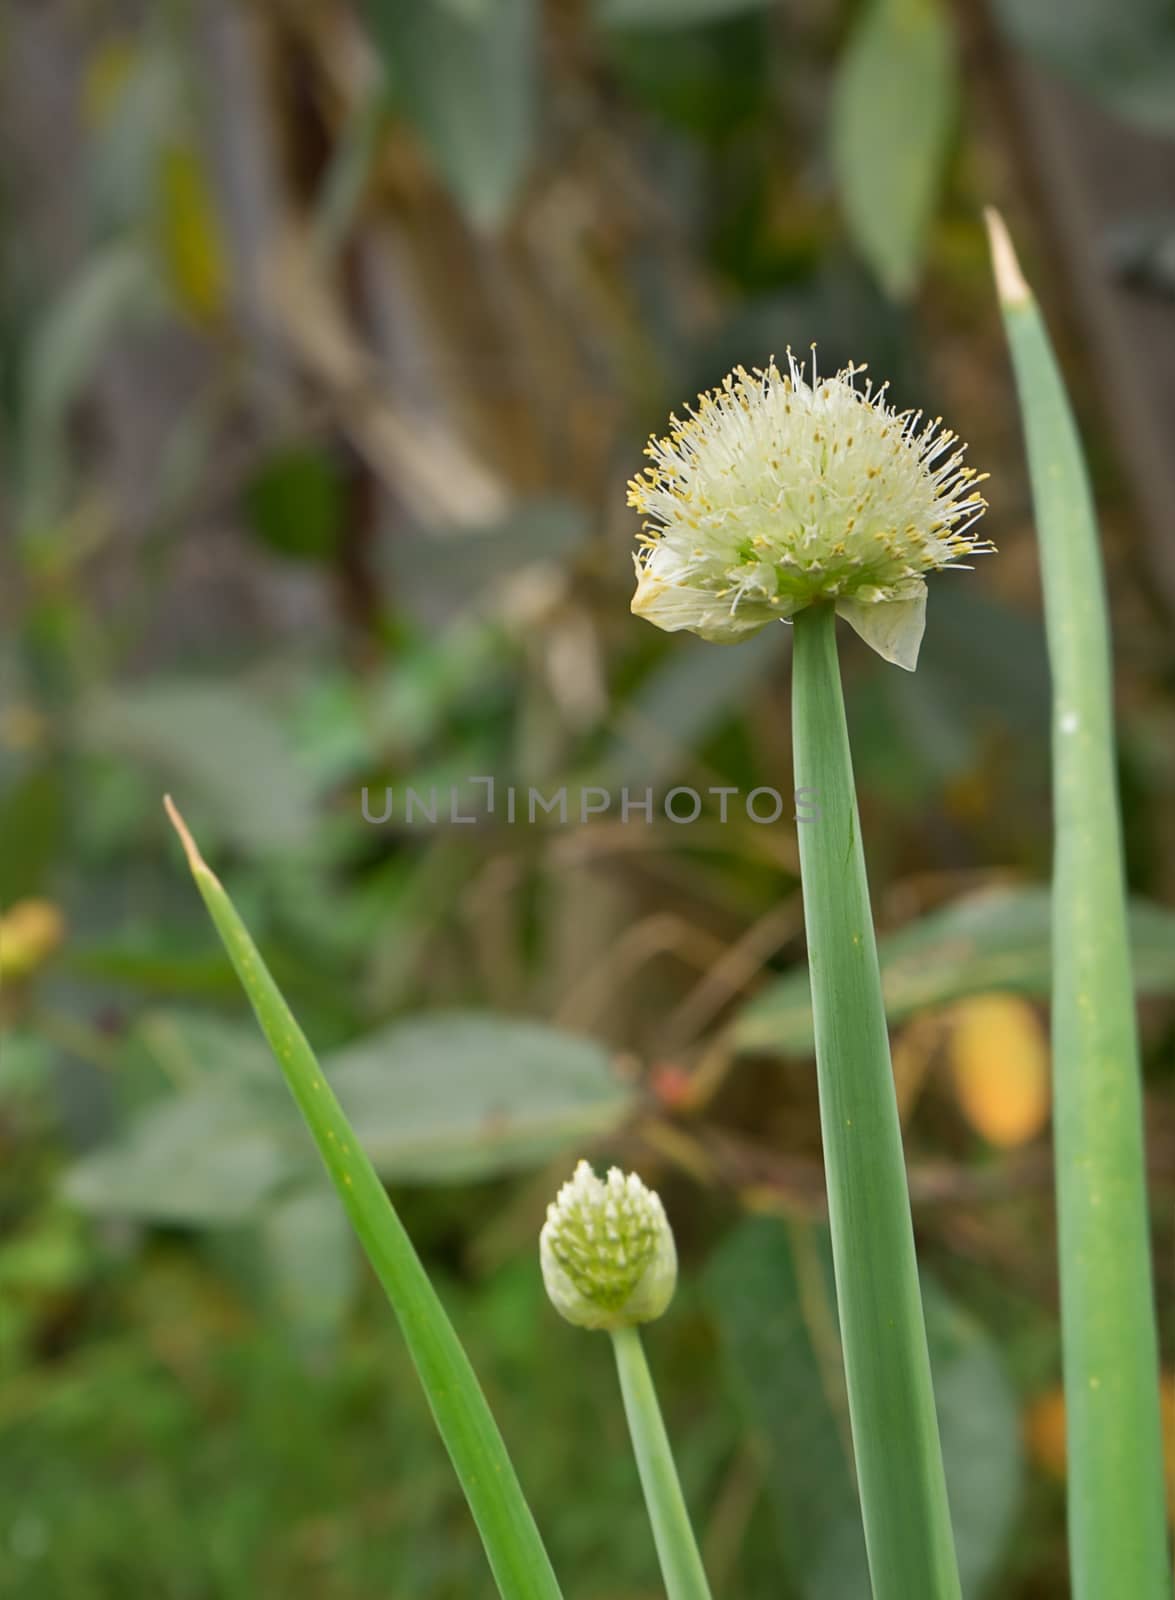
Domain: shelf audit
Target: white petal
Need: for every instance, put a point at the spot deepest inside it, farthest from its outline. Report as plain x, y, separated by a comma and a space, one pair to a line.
673, 607
893, 628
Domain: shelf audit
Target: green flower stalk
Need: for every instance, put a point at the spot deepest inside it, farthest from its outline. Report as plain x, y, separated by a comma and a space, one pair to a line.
609, 1262
791, 497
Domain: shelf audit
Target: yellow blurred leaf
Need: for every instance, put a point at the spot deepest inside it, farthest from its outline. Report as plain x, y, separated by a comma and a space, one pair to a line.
1000, 1065
22, 728
29, 934
1044, 1432
107, 75
190, 236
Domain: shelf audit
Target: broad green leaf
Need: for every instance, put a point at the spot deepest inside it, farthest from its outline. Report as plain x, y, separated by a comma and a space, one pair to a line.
458, 1096
772, 1296
671, 13
465, 76
310, 1260
1123, 54
208, 1158
892, 118
188, 1048
218, 746
981, 1437
209, 1139
997, 939
444, 1098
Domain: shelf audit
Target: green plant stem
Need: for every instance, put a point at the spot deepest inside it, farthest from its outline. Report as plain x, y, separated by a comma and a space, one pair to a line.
887, 1366
677, 1550
512, 1542
1117, 1527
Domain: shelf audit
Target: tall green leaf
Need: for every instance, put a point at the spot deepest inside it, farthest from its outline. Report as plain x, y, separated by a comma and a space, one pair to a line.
1117, 1526
515, 1550
892, 118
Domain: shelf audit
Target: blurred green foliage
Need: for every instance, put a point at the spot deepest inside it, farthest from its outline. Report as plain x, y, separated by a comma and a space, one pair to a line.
328, 336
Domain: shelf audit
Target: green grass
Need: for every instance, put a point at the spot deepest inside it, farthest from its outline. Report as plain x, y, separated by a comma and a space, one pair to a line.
234, 1468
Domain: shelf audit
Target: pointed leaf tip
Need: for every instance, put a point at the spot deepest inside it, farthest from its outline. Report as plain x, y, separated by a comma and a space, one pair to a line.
195, 860
1010, 283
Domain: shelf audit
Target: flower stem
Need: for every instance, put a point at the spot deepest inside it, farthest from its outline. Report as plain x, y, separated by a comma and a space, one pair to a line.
1117, 1529
681, 1565
887, 1367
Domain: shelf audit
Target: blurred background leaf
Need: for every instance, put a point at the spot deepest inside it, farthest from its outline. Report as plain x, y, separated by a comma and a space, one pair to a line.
772, 1293
465, 76
205, 1158
1122, 54
438, 1099
295, 504
329, 336
114, 287
894, 112
665, 14
454, 1098
216, 742
996, 939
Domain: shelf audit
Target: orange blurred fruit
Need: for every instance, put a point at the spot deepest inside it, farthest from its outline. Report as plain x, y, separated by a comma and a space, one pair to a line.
999, 1059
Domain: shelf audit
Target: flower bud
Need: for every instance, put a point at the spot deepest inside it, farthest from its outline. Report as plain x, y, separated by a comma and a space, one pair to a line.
780, 492
607, 1251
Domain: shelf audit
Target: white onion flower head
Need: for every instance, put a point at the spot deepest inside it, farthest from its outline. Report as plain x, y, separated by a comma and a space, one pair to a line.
784, 489
607, 1251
